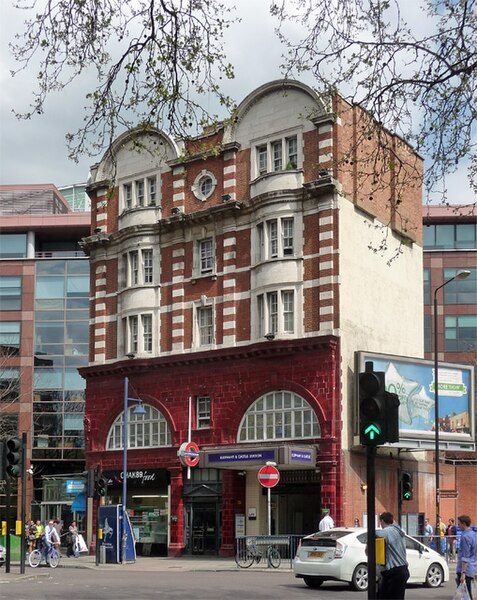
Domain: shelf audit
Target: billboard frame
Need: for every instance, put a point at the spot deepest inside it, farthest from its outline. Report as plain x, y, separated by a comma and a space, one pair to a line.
416, 437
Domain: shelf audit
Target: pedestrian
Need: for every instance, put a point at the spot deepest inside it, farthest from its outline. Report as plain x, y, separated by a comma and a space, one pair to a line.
395, 572
39, 530
428, 531
356, 523
440, 537
466, 568
72, 540
326, 521
31, 535
451, 533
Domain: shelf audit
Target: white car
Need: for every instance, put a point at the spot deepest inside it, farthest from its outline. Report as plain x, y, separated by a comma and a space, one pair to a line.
339, 554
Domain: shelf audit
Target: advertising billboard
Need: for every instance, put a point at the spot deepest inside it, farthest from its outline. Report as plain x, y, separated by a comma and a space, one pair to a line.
412, 379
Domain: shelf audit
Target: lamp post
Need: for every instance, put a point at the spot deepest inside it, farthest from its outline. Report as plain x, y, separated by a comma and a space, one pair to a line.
462, 274
139, 409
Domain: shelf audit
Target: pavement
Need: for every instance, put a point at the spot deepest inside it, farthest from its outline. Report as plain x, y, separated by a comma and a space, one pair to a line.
142, 564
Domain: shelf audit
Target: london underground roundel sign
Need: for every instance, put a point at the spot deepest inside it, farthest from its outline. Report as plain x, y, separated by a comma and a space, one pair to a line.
269, 476
188, 454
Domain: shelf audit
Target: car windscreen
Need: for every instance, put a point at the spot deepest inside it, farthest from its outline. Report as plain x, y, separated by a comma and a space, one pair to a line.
325, 538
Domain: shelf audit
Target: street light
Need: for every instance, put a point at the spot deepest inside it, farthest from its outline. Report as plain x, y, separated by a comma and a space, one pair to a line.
462, 274
138, 409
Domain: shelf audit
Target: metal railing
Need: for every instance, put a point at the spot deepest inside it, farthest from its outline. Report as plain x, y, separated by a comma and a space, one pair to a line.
285, 544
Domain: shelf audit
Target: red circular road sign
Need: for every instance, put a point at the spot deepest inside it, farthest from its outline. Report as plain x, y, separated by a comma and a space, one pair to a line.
269, 476
188, 454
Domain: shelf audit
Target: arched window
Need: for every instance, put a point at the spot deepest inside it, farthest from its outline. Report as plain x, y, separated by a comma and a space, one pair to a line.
279, 416
148, 430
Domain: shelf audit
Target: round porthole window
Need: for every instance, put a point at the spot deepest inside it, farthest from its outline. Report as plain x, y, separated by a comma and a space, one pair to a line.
204, 185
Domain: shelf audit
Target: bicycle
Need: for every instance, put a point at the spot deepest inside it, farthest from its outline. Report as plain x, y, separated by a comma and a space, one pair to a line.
246, 556
52, 557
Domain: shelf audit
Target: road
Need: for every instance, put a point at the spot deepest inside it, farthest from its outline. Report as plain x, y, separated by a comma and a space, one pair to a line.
88, 584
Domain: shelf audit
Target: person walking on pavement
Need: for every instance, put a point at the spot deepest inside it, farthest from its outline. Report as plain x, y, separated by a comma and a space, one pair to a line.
395, 572
466, 568
326, 522
451, 533
428, 531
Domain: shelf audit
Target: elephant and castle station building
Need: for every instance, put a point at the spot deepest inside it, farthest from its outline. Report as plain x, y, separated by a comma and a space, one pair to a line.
233, 279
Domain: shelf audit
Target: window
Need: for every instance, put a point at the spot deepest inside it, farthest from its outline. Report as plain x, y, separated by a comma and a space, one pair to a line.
137, 334
427, 286
128, 195
427, 333
10, 293
147, 266
276, 312
151, 191
203, 412
277, 416
206, 325
148, 430
140, 192
262, 159
277, 155
9, 384
147, 332
275, 239
9, 338
450, 235
137, 269
134, 268
13, 245
206, 256
460, 333
460, 291
204, 185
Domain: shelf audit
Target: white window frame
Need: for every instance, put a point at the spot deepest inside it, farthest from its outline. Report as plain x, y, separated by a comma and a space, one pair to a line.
277, 154
276, 312
279, 415
138, 334
203, 412
275, 238
148, 430
147, 258
205, 331
206, 256
197, 186
140, 193
134, 267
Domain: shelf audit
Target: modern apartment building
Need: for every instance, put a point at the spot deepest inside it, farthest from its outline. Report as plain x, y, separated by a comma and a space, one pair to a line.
44, 310
233, 279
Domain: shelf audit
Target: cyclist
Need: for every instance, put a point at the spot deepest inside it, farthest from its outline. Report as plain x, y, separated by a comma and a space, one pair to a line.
50, 538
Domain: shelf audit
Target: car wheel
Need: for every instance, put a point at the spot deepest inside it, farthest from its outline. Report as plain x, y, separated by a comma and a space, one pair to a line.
434, 576
313, 582
359, 580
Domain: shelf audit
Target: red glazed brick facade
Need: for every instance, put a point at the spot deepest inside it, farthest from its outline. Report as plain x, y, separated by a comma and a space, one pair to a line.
245, 232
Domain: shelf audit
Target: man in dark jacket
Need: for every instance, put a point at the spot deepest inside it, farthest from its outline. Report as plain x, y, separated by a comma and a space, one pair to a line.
395, 572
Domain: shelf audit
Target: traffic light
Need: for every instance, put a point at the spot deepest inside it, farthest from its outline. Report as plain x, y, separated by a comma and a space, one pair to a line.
14, 457
100, 486
372, 408
406, 486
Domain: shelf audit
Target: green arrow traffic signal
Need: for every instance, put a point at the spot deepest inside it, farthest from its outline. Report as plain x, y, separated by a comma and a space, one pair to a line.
407, 495
372, 431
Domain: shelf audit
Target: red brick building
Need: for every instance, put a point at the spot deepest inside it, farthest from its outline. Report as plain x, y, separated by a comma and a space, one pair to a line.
238, 274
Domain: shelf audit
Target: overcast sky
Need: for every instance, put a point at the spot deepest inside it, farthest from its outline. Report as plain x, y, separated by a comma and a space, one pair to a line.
34, 151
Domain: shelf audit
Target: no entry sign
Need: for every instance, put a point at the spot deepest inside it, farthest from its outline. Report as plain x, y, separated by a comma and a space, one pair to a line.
268, 476
188, 454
